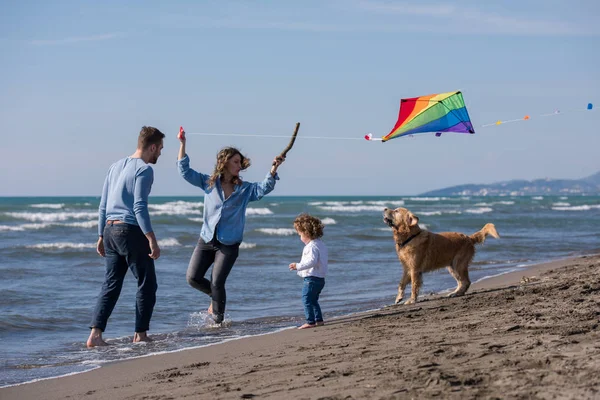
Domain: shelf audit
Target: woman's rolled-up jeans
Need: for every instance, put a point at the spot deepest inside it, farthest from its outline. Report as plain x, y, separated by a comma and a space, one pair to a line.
223, 256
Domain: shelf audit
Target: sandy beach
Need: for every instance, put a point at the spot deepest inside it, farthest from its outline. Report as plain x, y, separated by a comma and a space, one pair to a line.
531, 334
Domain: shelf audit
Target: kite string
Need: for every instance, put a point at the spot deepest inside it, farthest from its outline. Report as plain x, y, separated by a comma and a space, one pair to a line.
527, 117
274, 136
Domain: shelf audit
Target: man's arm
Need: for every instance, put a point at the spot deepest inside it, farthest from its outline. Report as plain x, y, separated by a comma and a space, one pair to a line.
143, 185
102, 218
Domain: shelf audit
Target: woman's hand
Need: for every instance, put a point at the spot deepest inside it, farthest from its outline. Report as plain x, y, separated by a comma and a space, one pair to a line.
181, 135
276, 163
293, 267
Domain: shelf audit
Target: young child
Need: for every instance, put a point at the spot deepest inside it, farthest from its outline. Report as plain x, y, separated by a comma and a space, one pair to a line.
312, 267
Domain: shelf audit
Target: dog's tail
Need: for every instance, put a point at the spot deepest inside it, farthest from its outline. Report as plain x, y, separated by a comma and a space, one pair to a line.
488, 229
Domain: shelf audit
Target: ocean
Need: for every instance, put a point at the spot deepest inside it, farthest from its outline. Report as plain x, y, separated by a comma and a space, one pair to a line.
50, 274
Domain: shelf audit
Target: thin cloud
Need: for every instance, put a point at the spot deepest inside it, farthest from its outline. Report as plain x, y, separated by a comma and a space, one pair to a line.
70, 40
476, 21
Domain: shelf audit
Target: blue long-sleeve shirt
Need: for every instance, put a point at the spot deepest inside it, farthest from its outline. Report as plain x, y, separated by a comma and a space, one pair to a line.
125, 194
225, 216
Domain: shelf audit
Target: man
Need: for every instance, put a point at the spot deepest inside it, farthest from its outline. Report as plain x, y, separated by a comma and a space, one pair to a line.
126, 238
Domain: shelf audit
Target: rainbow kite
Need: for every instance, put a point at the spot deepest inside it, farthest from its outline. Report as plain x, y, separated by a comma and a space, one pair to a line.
444, 112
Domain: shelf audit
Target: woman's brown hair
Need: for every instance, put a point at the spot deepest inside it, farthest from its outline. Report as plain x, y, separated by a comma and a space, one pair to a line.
223, 157
309, 225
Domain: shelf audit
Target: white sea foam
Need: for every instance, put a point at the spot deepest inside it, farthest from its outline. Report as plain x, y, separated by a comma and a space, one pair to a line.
245, 245
328, 221
428, 213
537, 198
44, 225
176, 208
563, 198
258, 211
196, 219
583, 207
480, 210
23, 227
169, 242
351, 208
86, 224
51, 217
62, 245
277, 231
506, 203
426, 198
561, 204
384, 203
315, 203
45, 205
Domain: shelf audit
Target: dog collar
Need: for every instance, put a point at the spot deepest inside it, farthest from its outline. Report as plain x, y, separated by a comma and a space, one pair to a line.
409, 239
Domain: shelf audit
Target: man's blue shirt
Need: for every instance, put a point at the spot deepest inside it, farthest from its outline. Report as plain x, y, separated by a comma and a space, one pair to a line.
125, 194
225, 216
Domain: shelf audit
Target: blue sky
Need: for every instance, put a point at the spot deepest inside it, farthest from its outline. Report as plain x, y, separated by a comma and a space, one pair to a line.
79, 78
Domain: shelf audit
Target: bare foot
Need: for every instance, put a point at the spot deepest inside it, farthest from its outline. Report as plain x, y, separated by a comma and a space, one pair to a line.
141, 337
95, 339
306, 326
210, 308
320, 323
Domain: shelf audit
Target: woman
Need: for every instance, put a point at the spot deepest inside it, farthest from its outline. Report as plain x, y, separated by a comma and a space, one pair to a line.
226, 197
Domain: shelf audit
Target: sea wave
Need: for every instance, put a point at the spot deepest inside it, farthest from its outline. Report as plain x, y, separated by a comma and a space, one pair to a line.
258, 211
46, 205
245, 245
168, 242
384, 203
328, 221
584, 207
176, 208
506, 203
277, 231
350, 208
480, 210
561, 204
44, 225
537, 198
196, 219
61, 246
426, 198
51, 217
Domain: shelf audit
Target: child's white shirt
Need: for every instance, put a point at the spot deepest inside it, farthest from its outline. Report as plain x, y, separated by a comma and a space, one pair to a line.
314, 260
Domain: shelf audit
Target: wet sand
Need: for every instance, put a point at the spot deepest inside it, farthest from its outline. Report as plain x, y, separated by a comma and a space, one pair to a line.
531, 334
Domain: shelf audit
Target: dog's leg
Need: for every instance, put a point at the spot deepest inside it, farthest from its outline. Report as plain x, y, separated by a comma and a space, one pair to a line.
402, 286
415, 284
461, 267
455, 276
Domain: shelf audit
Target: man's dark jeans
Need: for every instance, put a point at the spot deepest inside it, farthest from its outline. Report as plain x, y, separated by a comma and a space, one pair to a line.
126, 246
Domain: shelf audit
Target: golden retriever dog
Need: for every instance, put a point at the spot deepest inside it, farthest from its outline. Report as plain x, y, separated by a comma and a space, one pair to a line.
423, 251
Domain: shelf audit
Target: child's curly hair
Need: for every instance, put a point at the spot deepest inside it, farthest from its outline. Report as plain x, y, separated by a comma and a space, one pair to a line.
222, 158
309, 225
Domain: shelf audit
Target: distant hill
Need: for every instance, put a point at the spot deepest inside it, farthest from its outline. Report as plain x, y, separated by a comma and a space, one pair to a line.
588, 186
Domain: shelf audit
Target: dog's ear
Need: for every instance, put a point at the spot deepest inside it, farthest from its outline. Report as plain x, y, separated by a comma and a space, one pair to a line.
412, 219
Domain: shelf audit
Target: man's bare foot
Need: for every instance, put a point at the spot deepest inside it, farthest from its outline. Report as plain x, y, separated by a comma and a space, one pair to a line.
320, 323
307, 325
210, 308
141, 337
95, 339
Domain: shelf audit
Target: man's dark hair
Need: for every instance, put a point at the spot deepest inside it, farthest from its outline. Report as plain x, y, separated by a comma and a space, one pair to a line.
149, 136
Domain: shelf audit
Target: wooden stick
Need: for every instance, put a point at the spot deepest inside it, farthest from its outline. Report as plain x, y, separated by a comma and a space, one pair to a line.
291, 143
